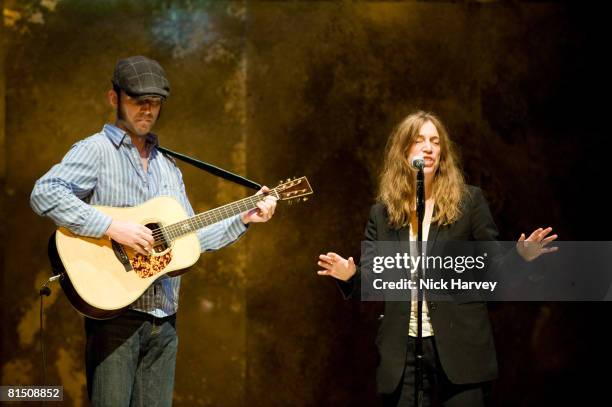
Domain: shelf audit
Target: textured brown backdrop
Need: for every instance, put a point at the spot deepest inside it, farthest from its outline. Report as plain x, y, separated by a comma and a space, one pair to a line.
276, 89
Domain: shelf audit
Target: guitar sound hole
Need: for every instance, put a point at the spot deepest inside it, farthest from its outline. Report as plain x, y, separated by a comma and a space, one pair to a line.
160, 241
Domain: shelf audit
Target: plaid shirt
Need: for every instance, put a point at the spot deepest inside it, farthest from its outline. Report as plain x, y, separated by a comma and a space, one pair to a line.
105, 169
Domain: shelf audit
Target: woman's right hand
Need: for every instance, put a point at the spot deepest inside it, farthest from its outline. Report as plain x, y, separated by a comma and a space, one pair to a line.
336, 266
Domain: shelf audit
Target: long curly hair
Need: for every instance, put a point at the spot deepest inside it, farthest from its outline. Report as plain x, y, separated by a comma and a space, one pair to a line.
397, 189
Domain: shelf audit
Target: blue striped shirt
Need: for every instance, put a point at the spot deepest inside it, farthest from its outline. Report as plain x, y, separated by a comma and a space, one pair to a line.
106, 169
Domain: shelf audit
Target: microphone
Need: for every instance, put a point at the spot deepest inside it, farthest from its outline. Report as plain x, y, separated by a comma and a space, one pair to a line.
417, 162
45, 290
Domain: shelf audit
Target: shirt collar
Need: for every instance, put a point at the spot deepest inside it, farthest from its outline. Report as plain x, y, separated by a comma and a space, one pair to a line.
115, 134
152, 139
118, 136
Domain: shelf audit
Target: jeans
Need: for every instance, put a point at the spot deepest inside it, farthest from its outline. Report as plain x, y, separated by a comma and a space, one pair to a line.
130, 360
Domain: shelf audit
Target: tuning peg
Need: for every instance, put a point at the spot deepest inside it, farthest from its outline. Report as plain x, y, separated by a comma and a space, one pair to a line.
305, 199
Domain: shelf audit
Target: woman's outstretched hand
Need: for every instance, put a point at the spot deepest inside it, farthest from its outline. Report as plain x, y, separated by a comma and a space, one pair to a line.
535, 245
336, 266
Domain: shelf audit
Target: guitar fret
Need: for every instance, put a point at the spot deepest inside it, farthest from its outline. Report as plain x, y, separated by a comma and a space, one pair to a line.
197, 222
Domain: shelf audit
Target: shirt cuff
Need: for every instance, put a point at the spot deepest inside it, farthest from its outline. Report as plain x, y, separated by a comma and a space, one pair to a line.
237, 227
96, 225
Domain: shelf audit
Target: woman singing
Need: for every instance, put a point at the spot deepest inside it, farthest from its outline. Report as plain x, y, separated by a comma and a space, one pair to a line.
459, 354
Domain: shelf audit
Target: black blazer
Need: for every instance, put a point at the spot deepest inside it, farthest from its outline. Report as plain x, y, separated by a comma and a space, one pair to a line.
462, 330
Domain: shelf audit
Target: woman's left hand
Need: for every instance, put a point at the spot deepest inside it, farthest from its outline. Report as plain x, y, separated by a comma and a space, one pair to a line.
535, 245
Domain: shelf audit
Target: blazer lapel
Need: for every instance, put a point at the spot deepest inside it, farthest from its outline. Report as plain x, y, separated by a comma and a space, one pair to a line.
403, 235
403, 246
433, 234
403, 240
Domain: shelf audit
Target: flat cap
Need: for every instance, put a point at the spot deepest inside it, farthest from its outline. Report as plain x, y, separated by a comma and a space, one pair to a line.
141, 76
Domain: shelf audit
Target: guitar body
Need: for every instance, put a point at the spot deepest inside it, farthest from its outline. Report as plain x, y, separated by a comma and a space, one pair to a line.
102, 278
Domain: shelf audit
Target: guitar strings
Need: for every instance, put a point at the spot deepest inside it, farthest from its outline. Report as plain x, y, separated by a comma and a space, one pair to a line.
172, 231
207, 216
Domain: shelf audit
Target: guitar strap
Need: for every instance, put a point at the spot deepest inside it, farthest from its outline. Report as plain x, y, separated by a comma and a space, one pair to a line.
213, 169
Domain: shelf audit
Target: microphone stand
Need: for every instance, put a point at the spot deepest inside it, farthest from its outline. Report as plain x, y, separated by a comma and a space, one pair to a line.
420, 208
44, 291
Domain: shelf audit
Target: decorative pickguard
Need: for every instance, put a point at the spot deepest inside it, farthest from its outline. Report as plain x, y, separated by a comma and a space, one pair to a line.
147, 266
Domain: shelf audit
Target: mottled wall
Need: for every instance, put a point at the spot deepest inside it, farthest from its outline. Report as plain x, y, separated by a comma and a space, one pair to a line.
276, 89
4, 275
58, 73
516, 85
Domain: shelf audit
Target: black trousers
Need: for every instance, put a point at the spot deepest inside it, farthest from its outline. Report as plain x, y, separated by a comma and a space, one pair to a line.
438, 389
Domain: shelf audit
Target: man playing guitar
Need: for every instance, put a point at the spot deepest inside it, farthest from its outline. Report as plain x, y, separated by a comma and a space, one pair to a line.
130, 359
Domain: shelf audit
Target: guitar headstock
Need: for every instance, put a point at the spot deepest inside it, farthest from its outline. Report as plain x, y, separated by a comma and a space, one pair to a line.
293, 190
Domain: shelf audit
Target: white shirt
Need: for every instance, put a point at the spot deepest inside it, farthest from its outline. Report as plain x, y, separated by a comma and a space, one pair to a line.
427, 327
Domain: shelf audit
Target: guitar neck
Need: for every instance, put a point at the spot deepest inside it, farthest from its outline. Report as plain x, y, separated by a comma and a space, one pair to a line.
194, 223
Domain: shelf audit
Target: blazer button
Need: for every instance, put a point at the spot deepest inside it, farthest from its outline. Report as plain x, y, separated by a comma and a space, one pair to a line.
432, 305
381, 316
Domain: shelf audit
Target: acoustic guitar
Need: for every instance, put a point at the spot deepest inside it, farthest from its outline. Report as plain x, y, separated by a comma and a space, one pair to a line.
101, 277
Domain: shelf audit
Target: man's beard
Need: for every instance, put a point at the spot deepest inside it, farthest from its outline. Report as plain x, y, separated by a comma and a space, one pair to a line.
121, 118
